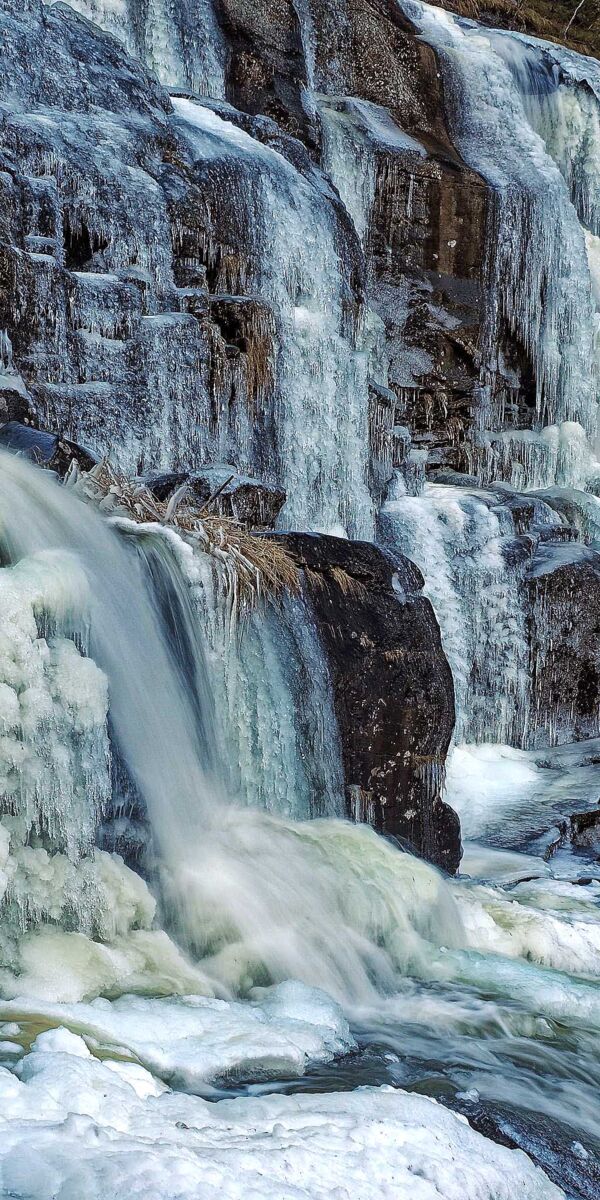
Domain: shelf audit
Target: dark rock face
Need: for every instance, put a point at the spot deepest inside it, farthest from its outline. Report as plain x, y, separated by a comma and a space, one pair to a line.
251, 501
564, 590
309, 80
393, 690
124, 345
425, 231
15, 404
44, 449
582, 830
151, 294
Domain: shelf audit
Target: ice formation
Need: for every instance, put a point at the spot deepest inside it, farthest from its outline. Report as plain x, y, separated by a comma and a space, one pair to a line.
115, 1131
321, 406
182, 45
176, 884
509, 105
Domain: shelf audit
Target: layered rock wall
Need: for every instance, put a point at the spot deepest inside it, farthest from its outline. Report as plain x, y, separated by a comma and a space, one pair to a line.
321, 253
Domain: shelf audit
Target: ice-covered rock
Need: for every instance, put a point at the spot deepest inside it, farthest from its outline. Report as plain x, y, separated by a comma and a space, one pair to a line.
251, 501
43, 448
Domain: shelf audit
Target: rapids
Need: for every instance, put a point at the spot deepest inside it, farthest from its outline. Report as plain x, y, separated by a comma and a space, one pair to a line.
211, 983
482, 991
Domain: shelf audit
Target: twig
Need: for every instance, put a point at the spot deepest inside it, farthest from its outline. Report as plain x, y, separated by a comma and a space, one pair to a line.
215, 495
579, 6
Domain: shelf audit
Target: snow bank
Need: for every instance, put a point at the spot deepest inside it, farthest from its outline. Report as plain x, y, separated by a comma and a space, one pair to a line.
73, 1126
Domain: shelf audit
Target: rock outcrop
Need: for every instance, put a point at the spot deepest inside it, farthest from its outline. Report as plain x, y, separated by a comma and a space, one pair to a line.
160, 296
393, 691
219, 486
564, 591
45, 449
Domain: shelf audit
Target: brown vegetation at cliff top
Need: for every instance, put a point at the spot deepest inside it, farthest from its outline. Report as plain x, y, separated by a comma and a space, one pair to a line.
542, 18
253, 566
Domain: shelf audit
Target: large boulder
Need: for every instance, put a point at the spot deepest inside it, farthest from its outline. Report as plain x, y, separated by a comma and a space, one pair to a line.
564, 591
45, 449
393, 690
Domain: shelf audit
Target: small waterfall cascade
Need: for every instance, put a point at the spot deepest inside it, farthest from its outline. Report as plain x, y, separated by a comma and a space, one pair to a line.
508, 100
182, 44
101, 617
271, 699
459, 538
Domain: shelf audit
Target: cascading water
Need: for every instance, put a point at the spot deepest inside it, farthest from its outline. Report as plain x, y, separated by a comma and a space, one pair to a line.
458, 537
200, 839
131, 685
272, 698
539, 105
251, 897
539, 279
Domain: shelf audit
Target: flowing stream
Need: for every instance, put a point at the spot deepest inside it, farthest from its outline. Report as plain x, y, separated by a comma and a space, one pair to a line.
198, 953
481, 992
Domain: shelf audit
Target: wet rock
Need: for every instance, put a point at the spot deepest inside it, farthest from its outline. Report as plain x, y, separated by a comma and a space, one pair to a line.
547, 1141
585, 828
388, 445
393, 689
251, 501
559, 837
15, 402
563, 584
49, 450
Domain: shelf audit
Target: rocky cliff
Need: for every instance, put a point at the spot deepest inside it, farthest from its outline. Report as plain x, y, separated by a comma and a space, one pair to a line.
349, 251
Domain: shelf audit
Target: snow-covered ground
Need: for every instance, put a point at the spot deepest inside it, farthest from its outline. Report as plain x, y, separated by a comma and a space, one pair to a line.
72, 1126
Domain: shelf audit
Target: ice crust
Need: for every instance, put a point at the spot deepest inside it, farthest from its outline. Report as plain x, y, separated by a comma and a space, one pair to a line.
107, 1131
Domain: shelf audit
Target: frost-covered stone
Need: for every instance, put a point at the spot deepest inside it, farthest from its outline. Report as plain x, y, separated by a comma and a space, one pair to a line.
43, 448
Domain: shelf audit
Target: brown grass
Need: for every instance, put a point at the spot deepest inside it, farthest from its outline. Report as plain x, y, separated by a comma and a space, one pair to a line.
254, 566
336, 577
542, 18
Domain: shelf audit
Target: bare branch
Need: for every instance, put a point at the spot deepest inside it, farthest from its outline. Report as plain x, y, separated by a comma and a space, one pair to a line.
579, 6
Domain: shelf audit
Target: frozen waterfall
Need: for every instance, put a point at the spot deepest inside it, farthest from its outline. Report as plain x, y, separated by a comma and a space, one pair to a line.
526, 117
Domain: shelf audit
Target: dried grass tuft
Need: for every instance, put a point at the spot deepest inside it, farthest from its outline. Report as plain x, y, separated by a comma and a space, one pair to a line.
335, 576
253, 566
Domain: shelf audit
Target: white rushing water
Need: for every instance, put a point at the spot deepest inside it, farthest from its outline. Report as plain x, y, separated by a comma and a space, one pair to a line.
470, 972
456, 536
